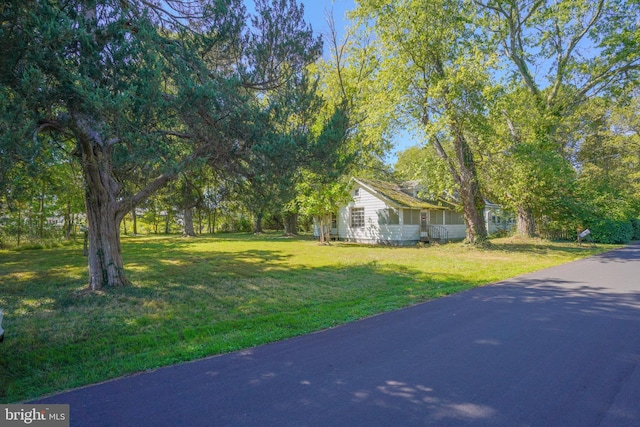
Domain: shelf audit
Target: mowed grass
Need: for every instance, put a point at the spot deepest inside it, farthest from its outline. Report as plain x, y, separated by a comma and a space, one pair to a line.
209, 295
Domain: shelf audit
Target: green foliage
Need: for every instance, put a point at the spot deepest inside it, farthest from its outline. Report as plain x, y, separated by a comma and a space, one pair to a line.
140, 91
635, 222
611, 231
357, 98
425, 166
318, 197
553, 129
525, 168
605, 153
552, 38
434, 71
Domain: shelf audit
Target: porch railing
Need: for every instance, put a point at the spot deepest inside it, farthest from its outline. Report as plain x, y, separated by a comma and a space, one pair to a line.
434, 233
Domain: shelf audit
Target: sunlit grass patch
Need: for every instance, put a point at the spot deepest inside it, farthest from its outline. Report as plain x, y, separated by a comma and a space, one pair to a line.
192, 298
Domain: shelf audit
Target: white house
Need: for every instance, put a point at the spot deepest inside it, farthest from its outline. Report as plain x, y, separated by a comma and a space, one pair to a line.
387, 213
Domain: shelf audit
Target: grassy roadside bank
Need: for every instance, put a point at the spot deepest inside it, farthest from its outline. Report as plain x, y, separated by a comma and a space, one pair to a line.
197, 297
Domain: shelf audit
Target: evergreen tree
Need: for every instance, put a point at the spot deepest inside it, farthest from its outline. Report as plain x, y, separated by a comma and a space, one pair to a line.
135, 85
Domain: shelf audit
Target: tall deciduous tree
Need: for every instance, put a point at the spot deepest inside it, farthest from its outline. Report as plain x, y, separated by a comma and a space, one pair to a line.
562, 53
526, 171
135, 84
348, 136
607, 155
434, 72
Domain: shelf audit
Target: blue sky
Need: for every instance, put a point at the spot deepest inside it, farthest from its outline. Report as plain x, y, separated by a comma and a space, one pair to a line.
316, 12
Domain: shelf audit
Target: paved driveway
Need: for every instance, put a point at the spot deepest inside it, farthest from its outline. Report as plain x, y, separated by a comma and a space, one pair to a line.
559, 347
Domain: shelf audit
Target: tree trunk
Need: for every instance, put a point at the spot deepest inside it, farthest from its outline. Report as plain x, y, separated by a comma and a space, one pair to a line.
106, 268
472, 200
327, 230
188, 223
257, 223
134, 217
19, 226
473, 206
67, 222
463, 170
526, 224
41, 214
85, 242
290, 223
466, 176
214, 220
321, 236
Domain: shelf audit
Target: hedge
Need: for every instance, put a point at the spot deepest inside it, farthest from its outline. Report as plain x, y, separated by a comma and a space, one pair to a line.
612, 231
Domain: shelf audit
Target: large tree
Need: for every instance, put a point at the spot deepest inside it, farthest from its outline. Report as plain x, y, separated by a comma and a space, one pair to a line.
606, 150
272, 166
433, 71
348, 137
525, 170
562, 53
136, 85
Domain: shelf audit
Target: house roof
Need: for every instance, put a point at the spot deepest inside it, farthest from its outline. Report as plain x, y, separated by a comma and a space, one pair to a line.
392, 193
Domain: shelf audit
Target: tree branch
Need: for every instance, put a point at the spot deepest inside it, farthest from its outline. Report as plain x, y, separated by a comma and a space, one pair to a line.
339, 52
175, 133
563, 58
602, 80
512, 128
129, 203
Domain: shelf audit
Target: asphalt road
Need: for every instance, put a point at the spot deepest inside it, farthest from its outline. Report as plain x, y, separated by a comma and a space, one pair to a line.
559, 347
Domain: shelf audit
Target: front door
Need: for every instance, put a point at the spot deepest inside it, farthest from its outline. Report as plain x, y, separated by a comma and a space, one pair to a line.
424, 225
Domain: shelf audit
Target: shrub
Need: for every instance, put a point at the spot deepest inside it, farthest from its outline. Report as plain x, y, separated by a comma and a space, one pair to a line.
612, 231
635, 222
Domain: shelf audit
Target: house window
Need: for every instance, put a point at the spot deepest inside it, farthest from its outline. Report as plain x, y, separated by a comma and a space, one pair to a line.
411, 217
388, 216
453, 218
334, 221
357, 217
436, 217
356, 192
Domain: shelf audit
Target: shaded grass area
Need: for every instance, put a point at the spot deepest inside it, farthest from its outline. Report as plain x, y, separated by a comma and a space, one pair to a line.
197, 297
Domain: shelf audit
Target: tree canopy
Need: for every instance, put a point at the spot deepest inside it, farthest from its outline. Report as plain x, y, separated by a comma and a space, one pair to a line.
134, 88
496, 88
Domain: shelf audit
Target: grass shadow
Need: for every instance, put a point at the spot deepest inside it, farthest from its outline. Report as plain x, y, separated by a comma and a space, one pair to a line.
197, 297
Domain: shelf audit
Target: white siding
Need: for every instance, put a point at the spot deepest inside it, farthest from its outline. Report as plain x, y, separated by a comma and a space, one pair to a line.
372, 232
498, 220
456, 232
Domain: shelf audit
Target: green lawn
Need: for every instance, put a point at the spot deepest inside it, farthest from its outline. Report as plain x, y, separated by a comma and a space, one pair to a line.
197, 297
